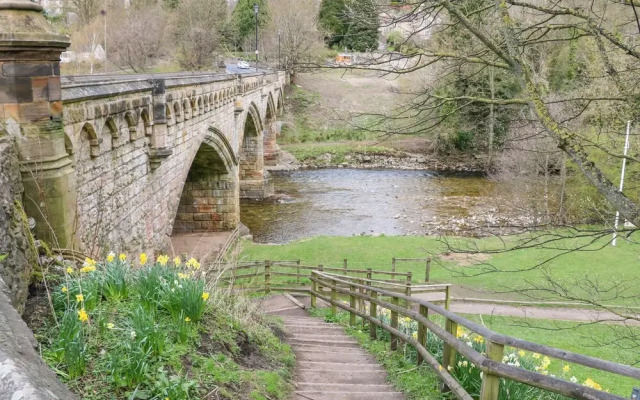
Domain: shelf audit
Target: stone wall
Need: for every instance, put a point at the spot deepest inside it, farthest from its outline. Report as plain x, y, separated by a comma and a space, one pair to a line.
16, 268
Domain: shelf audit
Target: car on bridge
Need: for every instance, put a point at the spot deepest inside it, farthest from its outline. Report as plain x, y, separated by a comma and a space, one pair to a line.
243, 64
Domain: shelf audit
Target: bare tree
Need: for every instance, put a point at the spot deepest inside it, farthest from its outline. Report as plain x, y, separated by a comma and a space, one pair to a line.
197, 27
137, 39
292, 34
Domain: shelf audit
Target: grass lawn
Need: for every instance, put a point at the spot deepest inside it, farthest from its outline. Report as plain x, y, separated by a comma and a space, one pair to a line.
602, 341
507, 273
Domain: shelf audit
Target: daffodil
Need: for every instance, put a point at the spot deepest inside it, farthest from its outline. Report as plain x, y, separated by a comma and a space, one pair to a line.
478, 339
82, 315
111, 256
122, 257
110, 325
566, 368
187, 319
177, 261
193, 263
460, 332
64, 289
522, 353
163, 260
205, 296
79, 297
591, 384
182, 276
88, 268
69, 270
143, 258
536, 356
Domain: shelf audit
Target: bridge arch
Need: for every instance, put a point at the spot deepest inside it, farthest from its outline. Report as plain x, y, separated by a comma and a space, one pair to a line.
209, 200
252, 155
270, 132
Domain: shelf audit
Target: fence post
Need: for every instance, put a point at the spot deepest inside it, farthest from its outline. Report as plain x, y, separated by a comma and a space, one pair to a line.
447, 297
407, 291
394, 323
369, 275
344, 266
427, 271
334, 297
267, 276
313, 289
449, 353
422, 331
361, 300
320, 288
298, 271
393, 268
491, 383
352, 305
373, 312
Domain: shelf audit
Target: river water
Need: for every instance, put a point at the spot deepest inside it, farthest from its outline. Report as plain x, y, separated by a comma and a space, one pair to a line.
346, 202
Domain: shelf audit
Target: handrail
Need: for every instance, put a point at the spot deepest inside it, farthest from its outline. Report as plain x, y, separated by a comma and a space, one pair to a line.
491, 365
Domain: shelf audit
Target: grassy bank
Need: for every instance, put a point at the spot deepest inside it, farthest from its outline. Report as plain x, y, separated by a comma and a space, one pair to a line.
157, 330
509, 273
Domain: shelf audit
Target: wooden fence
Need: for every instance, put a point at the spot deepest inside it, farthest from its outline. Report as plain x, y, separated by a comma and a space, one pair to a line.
490, 364
259, 276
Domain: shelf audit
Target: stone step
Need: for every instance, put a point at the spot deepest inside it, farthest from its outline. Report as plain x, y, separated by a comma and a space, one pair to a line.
371, 366
323, 337
340, 376
334, 356
343, 388
321, 348
324, 343
348, 396
320, 330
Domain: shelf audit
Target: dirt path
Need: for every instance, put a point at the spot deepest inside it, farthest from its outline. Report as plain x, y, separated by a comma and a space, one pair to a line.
554, 313
329, 364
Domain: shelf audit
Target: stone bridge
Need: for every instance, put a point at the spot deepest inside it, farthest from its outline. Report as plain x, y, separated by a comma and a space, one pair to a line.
145, 156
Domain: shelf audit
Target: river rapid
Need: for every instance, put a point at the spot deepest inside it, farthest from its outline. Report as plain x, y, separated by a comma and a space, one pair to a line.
346, 202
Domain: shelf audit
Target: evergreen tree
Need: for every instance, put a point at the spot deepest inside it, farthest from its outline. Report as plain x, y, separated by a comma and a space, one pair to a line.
243, 19
350, 23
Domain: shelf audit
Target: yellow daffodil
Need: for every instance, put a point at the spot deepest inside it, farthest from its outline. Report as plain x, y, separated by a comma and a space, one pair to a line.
122, 257
69, 270
187, 319
591, 384
193, 263
111, 256
460, 332
205, 296
478, 339
110, 325
82, 315
566, 368
79, 297
182, 276
88, 268
522, 353
163, 260
536, 356
64, 289
143, 258
177, 261
414, 335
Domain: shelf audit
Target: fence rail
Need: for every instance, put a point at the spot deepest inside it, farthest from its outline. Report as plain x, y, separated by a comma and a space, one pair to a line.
490, 364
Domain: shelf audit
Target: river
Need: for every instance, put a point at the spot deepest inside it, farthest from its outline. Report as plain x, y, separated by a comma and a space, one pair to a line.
346, 202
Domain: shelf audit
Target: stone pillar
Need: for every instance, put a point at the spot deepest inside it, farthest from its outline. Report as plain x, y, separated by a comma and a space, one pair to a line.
159, 150
271, 148
31, 111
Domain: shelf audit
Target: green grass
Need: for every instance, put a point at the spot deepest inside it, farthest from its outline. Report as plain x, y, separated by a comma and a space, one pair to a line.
157, 332
508, 273
609, 342
338, 151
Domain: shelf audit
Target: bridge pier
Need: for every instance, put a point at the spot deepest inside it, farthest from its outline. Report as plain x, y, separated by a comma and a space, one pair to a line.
31, 112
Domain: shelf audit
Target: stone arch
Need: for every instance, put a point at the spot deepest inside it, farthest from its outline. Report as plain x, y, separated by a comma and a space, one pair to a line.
186, 109
251, 171
132, 125
89, 132
209, 200
270, 145
146, 121
111, 128
68, 145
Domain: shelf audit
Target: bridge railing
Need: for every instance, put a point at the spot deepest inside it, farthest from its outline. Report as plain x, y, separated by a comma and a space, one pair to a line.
329, 287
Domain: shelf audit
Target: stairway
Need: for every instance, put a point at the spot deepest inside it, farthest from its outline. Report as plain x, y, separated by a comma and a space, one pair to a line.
329, 364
